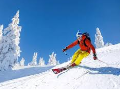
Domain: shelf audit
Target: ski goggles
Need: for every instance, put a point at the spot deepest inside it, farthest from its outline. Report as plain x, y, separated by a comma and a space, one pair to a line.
79, 36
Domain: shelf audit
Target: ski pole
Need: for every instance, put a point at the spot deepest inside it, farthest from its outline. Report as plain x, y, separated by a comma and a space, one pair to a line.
65, 53
103, 62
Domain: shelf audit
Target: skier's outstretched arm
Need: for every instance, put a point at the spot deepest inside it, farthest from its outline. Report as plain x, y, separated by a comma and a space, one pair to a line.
71, 45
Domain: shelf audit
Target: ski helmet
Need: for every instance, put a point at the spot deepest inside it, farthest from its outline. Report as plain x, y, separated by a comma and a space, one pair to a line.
79, 34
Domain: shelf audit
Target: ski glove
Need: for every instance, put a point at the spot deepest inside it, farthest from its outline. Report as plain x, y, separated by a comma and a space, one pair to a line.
64, 49
94, 56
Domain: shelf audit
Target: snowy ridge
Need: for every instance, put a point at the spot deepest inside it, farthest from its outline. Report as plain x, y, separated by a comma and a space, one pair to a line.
91, 74
109, 48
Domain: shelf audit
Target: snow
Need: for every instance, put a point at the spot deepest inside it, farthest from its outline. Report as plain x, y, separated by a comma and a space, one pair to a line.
52, 59
91, 74
41, 62
98, 39
34, 60
9, 44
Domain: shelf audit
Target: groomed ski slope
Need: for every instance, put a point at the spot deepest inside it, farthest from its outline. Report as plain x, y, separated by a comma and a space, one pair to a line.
90, 74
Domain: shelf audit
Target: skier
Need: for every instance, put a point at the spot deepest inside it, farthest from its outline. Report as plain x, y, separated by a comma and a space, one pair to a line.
84, 41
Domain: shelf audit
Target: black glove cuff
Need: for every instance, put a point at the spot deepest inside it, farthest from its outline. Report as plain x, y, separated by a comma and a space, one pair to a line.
66, 48
94, 54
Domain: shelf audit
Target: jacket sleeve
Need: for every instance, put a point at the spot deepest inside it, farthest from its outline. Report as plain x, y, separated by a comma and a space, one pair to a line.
88, 43
73, 44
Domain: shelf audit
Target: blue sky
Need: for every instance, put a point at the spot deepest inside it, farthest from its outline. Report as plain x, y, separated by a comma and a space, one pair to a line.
51, 25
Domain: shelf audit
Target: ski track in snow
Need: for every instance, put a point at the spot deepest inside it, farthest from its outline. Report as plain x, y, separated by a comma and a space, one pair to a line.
89, 75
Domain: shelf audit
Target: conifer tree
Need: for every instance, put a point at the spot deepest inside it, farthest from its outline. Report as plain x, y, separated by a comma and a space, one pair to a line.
34, 60
41, 62
22, 62
98, 39
10, 47
52, 59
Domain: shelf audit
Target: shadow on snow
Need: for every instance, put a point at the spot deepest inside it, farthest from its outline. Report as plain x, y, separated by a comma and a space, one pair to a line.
104, 70
14, 74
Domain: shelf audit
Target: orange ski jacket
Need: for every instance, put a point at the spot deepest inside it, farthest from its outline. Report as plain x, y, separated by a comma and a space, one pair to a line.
83, 47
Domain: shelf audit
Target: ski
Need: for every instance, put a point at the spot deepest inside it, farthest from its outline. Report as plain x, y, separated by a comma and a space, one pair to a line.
59, 74
58, 70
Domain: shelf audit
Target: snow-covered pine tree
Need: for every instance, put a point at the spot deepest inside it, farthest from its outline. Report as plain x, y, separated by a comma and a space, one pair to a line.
16, 65
58, 62
41, 62
52, 59
108, 44
98, 39
34, 60
10, 48
22, 62
1, 35
1, 30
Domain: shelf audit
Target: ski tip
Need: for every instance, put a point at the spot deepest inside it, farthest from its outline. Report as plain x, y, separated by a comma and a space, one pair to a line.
55, 72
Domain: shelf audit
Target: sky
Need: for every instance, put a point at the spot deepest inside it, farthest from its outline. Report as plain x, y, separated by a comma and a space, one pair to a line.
51, 25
